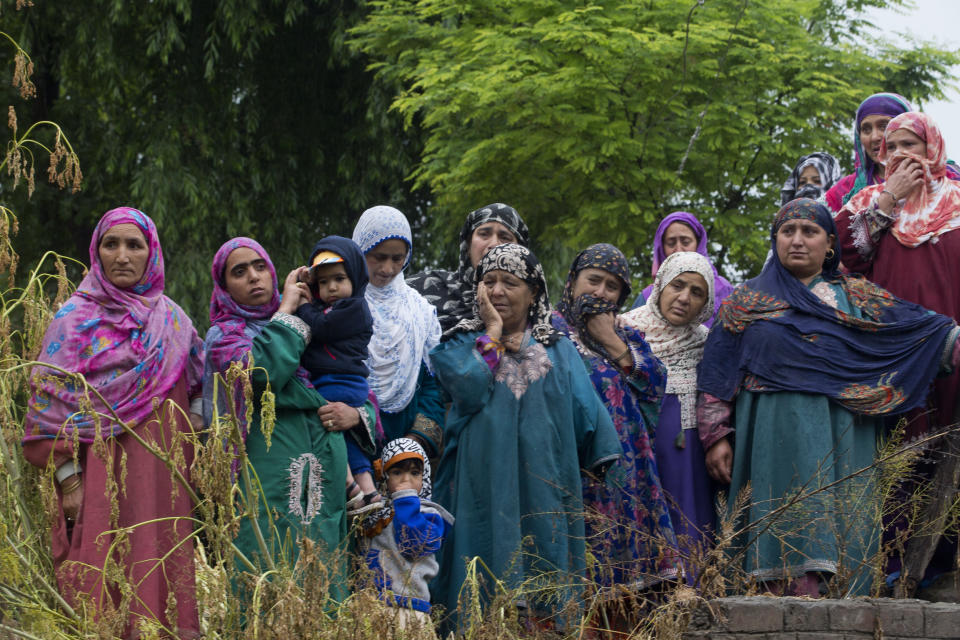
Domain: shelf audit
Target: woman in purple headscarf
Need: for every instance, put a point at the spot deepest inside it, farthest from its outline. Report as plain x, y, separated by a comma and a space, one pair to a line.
681, 231
142, 359
303, 467
872, 117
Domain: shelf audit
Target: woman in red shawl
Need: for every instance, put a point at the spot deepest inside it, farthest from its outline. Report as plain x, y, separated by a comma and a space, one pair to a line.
898, 233
118, 503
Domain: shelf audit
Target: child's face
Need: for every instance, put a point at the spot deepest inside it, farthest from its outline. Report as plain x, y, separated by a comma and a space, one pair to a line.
405, 476
332, 283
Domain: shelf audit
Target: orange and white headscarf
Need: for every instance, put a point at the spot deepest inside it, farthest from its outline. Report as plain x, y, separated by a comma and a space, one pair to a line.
934, 210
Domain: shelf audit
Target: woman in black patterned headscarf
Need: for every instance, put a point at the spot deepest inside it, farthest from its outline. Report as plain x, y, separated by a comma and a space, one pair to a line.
628, 519
524, 420
452, 292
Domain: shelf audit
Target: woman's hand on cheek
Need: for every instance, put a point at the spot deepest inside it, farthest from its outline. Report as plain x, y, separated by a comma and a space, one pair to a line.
489, 315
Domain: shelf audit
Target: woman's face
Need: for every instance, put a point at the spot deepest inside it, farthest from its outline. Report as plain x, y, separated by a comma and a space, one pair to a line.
678, 237
598, 283
809, 175
871, 134
123, 254
802, 247
247, 277
385, 261
486, 237
511, 297
905, 141
682, 299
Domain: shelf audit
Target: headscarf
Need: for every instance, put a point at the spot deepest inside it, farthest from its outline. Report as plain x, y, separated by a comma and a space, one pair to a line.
879, 104
722, 287
777, 332
935, 209
451, 292
405, 326
131, 344
678, 347
576, 310
825, 164
236, 324
521, 263
233, 329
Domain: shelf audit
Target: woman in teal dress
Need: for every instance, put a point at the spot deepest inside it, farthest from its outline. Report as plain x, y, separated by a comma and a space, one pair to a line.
525, 419
302, 467
405, 328
794, 381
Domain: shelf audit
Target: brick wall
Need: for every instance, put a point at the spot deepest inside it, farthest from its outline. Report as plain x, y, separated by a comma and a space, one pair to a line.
767, 618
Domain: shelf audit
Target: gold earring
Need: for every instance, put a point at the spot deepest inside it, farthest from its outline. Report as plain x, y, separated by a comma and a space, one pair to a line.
830, 254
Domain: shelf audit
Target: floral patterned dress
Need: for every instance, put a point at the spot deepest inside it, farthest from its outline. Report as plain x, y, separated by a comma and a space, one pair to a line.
628, 522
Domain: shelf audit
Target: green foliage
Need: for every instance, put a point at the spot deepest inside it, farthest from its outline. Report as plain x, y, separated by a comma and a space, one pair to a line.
596, 119
217, 119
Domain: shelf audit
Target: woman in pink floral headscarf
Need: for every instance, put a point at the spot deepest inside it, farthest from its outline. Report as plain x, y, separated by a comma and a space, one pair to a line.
899, 233
142, 359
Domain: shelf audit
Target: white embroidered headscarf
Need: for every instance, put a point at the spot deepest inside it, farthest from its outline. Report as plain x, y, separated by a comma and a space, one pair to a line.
405, 326
680, 348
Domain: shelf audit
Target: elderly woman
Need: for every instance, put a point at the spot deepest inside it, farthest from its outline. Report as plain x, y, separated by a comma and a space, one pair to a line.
628, 522
141, 356
801, 366
672, 322
681, 231
451, 292
405, 328
525, 420
814, 174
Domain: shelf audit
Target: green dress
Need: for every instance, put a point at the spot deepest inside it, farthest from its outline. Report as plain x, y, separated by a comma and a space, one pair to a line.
304, 469
516, 440
793, 443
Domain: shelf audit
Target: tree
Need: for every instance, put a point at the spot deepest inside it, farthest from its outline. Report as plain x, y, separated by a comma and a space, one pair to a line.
596, 119
217, 119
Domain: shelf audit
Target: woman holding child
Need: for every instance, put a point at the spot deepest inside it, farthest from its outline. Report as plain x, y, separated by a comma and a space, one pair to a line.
303, 466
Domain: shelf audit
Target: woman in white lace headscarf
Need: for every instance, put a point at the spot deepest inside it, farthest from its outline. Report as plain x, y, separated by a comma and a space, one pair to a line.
405, 328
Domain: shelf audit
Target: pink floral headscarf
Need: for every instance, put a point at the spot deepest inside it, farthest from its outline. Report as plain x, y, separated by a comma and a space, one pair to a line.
935, 209
131, 344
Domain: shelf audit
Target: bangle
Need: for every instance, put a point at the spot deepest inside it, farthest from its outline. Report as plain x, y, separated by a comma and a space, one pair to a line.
626, 352
70, 487
890, 193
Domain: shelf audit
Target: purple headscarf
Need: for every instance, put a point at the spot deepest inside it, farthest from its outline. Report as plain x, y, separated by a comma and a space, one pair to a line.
722, 288
229, 316
879, 104
131, 344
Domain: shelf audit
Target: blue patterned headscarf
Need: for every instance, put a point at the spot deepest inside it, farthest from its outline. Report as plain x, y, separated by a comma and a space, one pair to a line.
774, 334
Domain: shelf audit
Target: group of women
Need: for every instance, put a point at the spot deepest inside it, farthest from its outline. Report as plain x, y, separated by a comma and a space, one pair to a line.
569, 441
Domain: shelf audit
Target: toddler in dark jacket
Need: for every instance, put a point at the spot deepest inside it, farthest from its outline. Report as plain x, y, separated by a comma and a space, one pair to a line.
341, 327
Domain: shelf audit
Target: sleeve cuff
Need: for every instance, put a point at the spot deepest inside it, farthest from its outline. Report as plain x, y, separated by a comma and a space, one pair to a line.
295, 323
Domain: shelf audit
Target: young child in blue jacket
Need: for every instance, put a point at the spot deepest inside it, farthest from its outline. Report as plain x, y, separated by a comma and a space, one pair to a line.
400, 540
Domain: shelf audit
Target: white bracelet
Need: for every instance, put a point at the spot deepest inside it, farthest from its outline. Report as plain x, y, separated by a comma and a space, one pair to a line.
66, 470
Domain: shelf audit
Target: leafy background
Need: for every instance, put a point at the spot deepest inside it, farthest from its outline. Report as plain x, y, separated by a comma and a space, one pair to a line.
284, 120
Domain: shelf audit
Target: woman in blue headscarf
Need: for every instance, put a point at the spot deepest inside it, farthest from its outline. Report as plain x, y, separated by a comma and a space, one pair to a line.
801, 365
